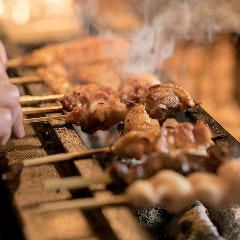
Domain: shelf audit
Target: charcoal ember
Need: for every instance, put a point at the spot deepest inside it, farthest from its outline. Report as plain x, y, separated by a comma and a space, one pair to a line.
227, 220
154, 220
194, 224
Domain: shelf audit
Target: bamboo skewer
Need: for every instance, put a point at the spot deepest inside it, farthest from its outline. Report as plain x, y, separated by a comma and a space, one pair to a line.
35, 110
76, 182
39, 99
64, 157
27, 79
83, 204
44, 119
14, 62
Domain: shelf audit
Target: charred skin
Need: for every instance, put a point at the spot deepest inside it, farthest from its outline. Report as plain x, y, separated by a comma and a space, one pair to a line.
135, 144
97, 116
138, 119
86, 94
183, 138
166, 100
135, 85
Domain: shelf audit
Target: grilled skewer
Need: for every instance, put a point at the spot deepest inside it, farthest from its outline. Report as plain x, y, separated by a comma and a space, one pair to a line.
35, 110
64, 157
170, 190
137, 143
97, 108
27, 99
121, 173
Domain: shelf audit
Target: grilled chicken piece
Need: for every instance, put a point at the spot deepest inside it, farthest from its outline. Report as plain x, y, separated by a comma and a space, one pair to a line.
86, 94
137, 119
183, 138
166, 100
94, 108
135, 144
84, 51
134, 86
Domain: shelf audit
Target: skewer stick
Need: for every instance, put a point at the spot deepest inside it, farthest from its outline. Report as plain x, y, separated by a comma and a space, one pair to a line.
39, 99
14, 62
64, 157
76, 182
44, 119
83, 204
27, 79
35, 110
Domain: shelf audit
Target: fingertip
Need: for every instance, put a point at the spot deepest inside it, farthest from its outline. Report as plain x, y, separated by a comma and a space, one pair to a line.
3, 75
3, 54
4, 139
18, 128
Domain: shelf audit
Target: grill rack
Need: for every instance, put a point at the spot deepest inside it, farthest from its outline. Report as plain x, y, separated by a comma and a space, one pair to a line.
109, 223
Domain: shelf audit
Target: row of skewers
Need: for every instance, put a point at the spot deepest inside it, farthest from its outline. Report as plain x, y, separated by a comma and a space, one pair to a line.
168, 149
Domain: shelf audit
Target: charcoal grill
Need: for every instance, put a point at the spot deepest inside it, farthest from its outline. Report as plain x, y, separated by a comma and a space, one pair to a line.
21, 191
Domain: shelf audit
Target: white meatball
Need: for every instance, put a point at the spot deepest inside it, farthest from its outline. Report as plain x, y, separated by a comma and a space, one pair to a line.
174, 190
209, 188
230, 173
141, 194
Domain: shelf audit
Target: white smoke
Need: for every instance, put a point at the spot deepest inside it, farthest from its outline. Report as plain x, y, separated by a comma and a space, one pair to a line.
167, 21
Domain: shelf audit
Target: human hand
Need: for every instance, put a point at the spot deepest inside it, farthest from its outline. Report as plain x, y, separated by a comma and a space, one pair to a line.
10, 110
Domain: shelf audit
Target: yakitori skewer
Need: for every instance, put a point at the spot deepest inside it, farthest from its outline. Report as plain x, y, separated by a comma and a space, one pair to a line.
27, 99
26, 79
184, 137
35, 110
44, 119
171, 190
121, 173
64, 156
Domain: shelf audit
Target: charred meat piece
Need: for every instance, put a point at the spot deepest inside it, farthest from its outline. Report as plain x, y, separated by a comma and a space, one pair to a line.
182, 138
135, 144
182, 163
166, 100
137, 119
134, 86
86, 94
94, 108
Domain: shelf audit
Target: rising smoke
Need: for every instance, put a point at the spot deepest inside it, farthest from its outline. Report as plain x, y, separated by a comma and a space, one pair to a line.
165, 22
